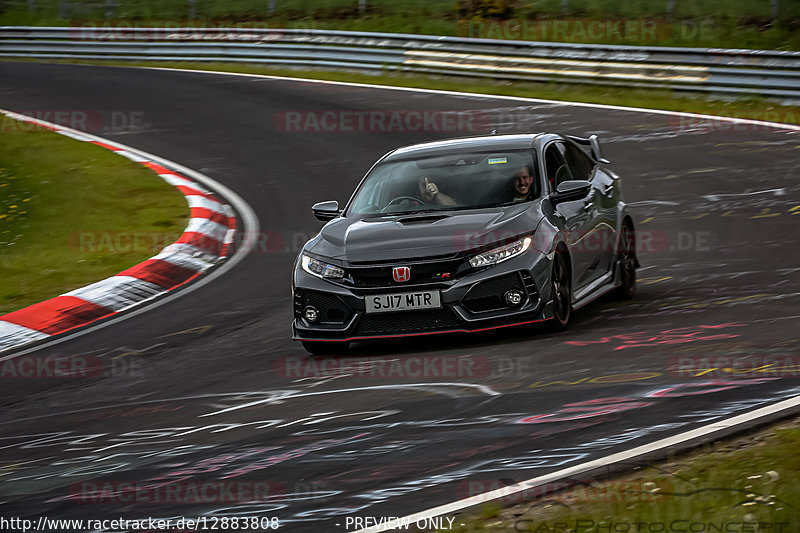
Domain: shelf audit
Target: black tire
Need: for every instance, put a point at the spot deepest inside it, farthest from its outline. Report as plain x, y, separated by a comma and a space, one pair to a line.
325, 348
561, 293
626, 259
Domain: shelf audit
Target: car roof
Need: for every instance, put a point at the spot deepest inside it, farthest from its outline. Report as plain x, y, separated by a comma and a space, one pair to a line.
466, 144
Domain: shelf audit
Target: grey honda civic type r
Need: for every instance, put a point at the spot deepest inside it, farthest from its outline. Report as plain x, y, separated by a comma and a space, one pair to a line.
466, 235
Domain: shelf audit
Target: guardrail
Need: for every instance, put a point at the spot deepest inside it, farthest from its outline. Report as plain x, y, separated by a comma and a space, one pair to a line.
768, 73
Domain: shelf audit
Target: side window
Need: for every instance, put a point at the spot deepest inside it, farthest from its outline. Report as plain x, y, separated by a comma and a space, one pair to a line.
579, 162
557, 170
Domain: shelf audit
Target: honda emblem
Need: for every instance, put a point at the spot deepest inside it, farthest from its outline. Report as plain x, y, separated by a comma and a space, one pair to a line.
401, 274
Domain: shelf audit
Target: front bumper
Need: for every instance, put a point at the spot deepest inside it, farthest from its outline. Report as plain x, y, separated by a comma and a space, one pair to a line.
472, 303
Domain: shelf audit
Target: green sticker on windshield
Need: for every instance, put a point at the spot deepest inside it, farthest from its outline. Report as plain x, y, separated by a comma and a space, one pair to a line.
498, 160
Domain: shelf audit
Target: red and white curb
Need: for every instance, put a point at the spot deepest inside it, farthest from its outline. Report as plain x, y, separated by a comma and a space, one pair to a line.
205, 242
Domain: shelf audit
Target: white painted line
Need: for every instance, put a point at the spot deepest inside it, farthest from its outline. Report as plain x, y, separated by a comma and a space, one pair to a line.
137, 401
431, 387
619, 457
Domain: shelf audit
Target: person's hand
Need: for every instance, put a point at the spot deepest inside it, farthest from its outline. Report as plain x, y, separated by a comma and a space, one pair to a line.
431, 188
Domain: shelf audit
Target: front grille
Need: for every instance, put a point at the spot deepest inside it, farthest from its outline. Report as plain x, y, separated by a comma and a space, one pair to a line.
488, 295
380, 276
399, 322
331, 309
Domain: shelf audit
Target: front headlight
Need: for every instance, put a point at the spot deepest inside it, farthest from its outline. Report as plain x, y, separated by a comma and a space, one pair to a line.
498, 255
320, 269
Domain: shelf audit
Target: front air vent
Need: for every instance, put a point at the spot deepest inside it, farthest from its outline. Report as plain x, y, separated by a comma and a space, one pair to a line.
488, 295
407, 221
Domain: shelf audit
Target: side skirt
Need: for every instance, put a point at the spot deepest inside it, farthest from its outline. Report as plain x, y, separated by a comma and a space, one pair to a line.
598, 288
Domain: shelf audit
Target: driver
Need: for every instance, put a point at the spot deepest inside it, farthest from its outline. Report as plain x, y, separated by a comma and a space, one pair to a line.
429, 193
521, 186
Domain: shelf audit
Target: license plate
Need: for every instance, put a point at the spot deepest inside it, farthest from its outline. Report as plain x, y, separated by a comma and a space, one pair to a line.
406, 301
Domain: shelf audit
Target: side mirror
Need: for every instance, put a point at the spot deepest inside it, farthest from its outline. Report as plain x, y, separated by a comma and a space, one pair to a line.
326, 211
571, 190
594, 142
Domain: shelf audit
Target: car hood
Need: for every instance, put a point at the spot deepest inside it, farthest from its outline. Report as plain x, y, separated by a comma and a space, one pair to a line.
354, 239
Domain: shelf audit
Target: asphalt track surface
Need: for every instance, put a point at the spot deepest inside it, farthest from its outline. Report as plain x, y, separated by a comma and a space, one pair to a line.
205, 389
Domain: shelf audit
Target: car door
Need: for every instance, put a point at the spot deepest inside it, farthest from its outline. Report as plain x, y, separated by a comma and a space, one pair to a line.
597, 241
574, 214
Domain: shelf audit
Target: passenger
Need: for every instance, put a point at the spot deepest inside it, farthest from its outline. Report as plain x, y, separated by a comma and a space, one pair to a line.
430, 194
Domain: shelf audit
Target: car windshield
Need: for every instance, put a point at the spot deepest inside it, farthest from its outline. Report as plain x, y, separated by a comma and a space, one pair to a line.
454, 181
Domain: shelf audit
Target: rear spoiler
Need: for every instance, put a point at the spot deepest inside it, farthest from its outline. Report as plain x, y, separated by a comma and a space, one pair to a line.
594, 143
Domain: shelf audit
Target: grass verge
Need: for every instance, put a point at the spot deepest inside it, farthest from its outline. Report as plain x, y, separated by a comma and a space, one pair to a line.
72, 213
747, 484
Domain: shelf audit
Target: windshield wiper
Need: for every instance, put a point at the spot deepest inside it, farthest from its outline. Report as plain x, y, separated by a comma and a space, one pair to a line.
437, 210
414, 212
501, 204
